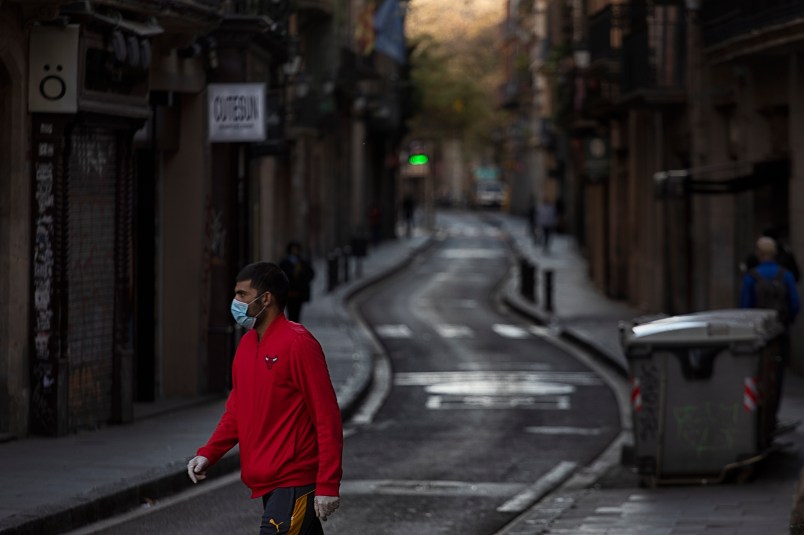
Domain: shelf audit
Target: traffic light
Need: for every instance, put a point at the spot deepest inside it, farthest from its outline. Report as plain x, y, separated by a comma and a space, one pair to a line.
418, 159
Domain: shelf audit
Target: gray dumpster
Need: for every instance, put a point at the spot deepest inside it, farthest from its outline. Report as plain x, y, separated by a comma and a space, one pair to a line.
702, 389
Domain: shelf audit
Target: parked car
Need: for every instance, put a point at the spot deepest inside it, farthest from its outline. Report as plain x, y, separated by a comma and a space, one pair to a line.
489, 193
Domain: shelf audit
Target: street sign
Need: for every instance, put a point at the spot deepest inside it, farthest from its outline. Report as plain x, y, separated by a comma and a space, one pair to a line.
236, 112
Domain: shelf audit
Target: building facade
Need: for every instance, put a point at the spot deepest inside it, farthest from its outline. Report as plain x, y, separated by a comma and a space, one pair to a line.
681, 124
149, 150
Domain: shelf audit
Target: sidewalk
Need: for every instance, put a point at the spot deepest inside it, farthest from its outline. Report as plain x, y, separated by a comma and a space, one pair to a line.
52, 485
616, 503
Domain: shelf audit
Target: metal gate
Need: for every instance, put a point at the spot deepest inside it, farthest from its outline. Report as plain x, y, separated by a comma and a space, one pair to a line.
92, 176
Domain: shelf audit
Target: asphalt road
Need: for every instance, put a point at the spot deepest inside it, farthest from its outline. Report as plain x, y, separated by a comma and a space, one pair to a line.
481, 412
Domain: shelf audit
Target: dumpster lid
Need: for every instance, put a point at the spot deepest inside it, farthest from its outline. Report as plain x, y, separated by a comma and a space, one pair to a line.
708, 327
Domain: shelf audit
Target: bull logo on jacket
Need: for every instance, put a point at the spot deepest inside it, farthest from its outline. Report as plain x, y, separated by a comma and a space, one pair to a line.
270, 360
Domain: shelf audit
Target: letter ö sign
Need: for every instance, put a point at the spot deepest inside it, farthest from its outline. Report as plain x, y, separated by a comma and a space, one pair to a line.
236, 112
53, 69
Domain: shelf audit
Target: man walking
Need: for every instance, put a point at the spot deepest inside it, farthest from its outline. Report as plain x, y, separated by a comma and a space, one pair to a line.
282, 410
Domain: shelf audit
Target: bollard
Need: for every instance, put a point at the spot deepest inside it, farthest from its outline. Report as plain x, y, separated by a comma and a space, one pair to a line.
346, 255
359, 251
535, 284
526, 282
333, 262
548, 290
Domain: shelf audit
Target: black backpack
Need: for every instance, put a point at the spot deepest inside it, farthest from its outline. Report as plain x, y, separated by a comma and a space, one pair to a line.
772, 293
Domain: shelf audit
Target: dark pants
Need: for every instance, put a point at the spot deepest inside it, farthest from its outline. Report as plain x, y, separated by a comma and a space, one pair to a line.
290, 510
782, 361
547, 233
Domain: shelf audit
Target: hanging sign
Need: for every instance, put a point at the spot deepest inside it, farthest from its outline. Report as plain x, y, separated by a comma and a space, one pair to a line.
236, 112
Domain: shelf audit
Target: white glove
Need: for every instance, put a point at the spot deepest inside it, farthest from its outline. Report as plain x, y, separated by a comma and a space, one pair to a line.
197, 468
325, 506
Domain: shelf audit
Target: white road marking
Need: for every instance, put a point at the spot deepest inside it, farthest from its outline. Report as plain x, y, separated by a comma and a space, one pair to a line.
454, 331
510, 331
500, 388
540, 331
533, 493
582, 431
380, 389
518, 366
429, 378
448, 402
432, 488
472, 254
478, 389
394, 331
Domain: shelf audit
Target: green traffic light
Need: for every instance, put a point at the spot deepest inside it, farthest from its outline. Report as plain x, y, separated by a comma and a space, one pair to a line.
418, 159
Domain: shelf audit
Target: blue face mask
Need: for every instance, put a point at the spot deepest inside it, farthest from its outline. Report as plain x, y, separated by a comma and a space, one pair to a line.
240, 313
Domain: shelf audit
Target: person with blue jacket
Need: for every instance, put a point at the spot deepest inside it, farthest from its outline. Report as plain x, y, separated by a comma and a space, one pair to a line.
768, 269
770, 286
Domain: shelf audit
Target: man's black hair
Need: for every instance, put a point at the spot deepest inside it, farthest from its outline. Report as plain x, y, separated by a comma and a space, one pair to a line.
266, 277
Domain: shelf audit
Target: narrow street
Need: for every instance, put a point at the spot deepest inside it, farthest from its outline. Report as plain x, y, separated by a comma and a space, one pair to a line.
484, 413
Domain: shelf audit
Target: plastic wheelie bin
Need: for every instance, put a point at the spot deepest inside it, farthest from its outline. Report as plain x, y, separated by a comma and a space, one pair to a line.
702, 393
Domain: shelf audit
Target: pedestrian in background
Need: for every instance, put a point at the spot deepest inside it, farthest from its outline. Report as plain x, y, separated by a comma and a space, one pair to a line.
784, 254
300, 273
408, 208
375, 223
770, 286
531, 217
546, 219
282, 410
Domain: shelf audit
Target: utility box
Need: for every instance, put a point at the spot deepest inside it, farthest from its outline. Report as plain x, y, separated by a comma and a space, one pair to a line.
703, 392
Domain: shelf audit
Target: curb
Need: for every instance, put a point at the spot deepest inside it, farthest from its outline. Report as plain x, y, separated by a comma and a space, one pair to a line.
107, 501
351, 293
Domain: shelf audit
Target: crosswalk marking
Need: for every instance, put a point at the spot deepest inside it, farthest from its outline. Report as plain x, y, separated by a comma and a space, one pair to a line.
454, 331
394, 331
449, 330
510, 331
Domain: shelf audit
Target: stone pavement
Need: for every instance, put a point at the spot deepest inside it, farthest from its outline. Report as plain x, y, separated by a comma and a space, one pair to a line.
51, 485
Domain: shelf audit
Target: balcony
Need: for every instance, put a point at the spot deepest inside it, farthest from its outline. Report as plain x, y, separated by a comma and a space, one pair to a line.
727, 20
654, 56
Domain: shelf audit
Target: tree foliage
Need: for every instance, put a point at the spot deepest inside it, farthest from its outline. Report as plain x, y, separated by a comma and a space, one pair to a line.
455, 86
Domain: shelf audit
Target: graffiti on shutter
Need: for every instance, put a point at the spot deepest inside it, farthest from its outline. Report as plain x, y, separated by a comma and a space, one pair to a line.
92, 178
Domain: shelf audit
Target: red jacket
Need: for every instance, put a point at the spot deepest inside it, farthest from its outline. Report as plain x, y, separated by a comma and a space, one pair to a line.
283, 412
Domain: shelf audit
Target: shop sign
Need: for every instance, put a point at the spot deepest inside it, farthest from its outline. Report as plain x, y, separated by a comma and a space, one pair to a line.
236, 112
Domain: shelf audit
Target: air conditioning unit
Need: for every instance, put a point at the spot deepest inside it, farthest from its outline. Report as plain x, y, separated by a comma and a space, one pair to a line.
53, 69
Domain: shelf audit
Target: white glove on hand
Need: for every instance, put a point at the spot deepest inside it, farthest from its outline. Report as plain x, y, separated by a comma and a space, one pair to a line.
197, 468
325, 506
